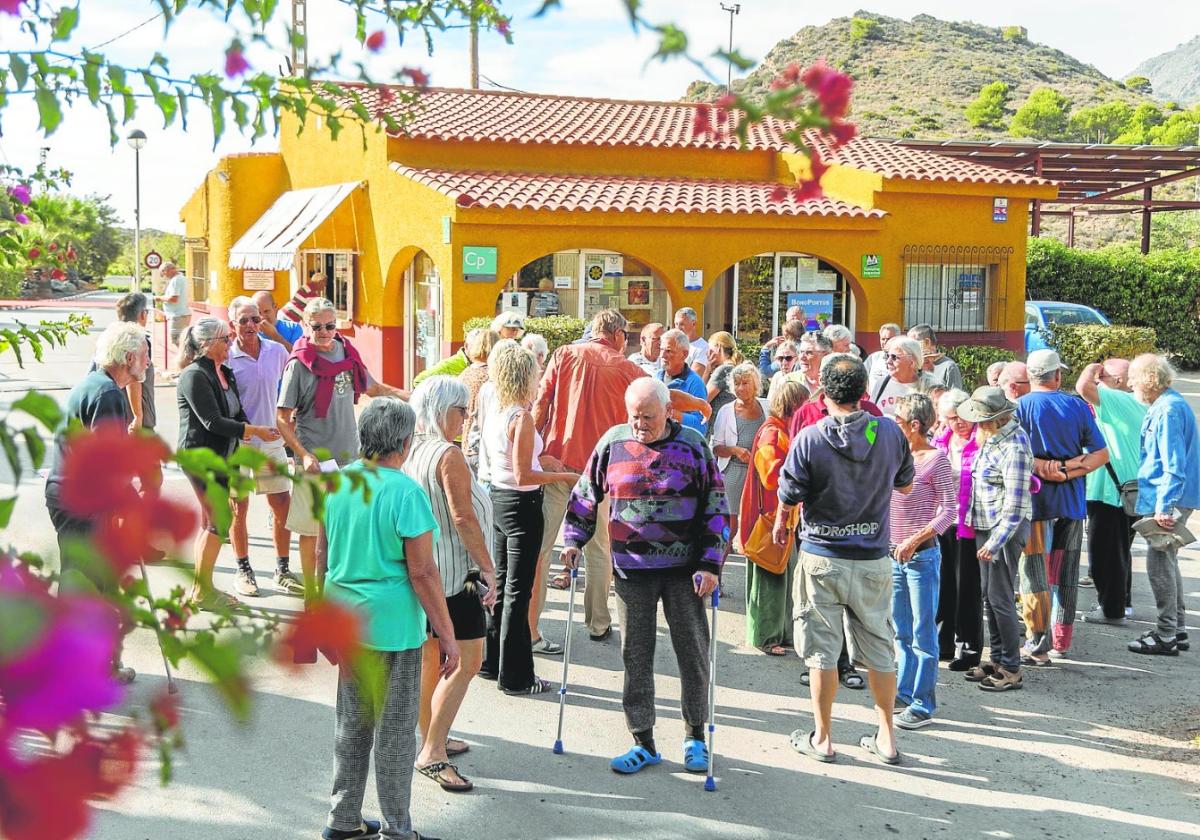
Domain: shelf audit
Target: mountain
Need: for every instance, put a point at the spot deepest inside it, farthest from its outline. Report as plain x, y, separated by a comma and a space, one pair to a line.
915, 78
1175, 75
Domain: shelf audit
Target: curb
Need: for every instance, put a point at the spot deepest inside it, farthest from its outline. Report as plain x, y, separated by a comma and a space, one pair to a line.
22, 305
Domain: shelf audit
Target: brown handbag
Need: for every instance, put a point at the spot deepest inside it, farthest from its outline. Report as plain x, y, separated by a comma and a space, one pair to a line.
761, 549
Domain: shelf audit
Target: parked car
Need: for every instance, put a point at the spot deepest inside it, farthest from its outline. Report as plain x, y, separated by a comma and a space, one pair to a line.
1040, 315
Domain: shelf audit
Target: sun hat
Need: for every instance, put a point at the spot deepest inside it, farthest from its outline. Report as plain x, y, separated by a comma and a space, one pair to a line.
986, 403
509, 318
1042, 362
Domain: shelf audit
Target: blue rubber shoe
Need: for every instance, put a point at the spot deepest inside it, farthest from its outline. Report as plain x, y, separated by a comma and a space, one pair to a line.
695, 756
637, 758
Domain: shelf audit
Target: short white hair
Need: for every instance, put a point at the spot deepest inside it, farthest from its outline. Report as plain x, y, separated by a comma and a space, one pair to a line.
237, 305
838, 332
536, 345
907, 346
433, 399
648, 386
318, 305
679, 337
1152, 370
119, 341
951, 400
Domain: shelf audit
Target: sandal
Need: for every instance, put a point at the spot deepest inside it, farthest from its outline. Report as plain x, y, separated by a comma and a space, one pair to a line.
562, 580
1152, 644
695, 756
1030, 659
635, 759
539, 686
868, 743
805, 679
214, 601
852, 679
980, 672
802, 742
774, 650
456, 746
437, 771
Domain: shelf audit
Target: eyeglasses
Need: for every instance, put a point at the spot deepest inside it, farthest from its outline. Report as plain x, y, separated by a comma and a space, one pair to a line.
228, 339
785, 358
330, 327
250, 319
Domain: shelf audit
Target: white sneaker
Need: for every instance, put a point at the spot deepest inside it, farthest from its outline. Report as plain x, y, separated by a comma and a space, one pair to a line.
1096, 616
244, 583
1129, 612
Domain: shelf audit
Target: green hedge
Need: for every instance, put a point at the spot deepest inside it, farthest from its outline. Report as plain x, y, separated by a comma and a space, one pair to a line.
975, 359
1160, 290
1080, 346
556, 329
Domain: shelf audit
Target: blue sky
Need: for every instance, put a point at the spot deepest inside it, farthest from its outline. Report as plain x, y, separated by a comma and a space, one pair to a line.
587, 48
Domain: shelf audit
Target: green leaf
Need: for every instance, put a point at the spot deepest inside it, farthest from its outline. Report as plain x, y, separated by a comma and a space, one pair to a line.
360, 26
672, 41
218, 504
10, 452
40, 407
64, 23
91, 75
735, 58
248, 456
20, 70
14, 344
546, 6
116, 78
6, 510
35, 445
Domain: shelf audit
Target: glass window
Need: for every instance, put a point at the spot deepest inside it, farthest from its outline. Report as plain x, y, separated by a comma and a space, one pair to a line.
198, 263
1031, 318
339, 270
947, 297
1070, 316
425, 302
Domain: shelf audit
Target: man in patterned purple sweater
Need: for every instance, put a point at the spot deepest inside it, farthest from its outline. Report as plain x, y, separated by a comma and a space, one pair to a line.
668, 525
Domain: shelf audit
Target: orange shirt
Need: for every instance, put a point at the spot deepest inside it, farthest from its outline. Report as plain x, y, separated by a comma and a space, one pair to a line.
582, 396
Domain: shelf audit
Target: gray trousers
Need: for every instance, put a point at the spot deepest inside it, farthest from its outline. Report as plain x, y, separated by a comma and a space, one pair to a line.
1162, 568
997, 582
387, 724
638, 597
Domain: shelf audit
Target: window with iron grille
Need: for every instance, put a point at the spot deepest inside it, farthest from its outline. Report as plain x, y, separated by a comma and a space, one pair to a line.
198, 263
955, 288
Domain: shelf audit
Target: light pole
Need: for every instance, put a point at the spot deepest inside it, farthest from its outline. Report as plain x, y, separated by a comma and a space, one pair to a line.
136, 140
736, 8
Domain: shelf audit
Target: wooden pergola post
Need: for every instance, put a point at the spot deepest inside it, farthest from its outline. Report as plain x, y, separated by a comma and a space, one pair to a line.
1146, 220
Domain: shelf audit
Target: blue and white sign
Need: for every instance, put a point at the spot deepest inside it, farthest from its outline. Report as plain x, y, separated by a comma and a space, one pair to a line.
818, 308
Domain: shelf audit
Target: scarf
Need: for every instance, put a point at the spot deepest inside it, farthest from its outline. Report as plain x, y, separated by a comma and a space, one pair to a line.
305, 352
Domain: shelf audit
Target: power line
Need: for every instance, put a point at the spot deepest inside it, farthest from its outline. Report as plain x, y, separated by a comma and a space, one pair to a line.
150, 19
496, 84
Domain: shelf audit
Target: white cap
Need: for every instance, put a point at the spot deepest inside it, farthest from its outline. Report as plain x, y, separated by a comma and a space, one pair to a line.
1042, 362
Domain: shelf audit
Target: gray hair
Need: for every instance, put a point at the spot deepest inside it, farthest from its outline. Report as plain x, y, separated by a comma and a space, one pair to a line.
838, 332
678, 337
909, 347
119, 341
608, 322
787, 344
656, 387
536, 345
318, 305
197, 337
746, 370
687, 312
951, 400
237, 305
131, 306
433, 399
921, 332
1152, 370
385, 427
818, 340
1043, 378
917, 407
891, 327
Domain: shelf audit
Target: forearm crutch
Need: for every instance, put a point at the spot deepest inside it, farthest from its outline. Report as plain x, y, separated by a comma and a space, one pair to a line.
562, 688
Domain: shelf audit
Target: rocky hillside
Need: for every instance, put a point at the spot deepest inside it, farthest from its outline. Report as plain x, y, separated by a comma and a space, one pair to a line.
1175, 75
915, 78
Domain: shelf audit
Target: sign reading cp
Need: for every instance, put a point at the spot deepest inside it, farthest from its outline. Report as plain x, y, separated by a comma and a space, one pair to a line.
478, 264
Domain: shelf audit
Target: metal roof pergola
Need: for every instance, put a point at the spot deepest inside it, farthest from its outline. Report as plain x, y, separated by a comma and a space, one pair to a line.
1093, 179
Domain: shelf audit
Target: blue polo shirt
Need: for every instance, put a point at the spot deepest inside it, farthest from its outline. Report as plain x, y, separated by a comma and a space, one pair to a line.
288, 329
1060, 427
688, 382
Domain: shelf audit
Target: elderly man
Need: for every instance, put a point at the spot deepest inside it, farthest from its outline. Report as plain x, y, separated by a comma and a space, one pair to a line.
667, 519
134, 308
649, 356
679, 377
874, 362
322, 382
1109, 528
993, 374
793, 331
843, 471
841, 340
509, 324
936, 363
283, 331
1168, 490
258, 365
1060, 429
174, 300
381, 566
688, 323
814, 347
902, 374
579, 399
1014, 380
314, 289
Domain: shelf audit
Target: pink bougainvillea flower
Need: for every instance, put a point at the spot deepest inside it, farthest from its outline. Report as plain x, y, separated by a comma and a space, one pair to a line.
830, 87
164, 711
324, 626
504, 27
11, 7
100, 466
235, 61
842, 131
20, 192
21, 219
778, 193
817, 166
726, 102
791, 73
808, 190
702, 121
375, 40
419, 77
135, 531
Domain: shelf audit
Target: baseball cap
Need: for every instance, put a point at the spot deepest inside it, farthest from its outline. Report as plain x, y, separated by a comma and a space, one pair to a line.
1042, 362
510, 319
986, 403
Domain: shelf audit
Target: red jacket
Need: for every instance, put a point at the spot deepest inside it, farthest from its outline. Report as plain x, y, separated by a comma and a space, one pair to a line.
813, 410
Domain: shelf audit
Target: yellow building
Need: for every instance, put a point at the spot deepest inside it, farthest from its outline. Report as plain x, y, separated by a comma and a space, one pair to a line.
570, 205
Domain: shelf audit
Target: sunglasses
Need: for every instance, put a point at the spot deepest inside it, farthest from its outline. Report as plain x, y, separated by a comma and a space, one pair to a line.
250, 319
330, 327
785, 358
895, 357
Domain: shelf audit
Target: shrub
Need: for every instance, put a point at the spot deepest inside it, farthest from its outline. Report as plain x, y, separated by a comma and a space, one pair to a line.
1082, 345
862, 29
556, 329
975, 359
1015, 34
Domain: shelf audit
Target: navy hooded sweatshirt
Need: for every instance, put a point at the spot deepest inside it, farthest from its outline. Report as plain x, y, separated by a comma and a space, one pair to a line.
843, 470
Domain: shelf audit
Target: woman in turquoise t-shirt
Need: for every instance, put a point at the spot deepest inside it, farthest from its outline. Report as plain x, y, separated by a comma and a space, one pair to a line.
381, 565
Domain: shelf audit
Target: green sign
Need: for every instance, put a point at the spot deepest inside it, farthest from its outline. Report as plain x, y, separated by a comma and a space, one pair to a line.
872, 266
478, 264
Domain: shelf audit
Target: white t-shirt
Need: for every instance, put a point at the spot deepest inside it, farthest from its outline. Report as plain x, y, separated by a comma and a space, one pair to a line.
500, 448
176, 288
892, 391
698, 352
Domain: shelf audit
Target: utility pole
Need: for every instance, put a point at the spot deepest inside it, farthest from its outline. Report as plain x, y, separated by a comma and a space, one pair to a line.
736, 8
474, 63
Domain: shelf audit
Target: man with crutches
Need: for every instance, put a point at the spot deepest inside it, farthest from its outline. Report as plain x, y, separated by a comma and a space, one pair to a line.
667, 525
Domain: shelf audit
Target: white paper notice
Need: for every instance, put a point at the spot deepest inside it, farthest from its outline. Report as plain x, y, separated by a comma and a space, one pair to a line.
329, 466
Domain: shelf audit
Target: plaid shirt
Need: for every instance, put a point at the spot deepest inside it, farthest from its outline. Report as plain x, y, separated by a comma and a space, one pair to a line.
1001, 498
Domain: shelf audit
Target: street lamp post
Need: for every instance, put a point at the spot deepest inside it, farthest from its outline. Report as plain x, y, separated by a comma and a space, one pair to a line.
136, 140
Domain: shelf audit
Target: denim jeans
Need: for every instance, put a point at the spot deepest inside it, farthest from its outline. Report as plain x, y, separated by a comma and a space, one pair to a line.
915, 587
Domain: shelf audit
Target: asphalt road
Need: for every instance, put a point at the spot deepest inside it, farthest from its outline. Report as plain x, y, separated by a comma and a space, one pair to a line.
1097, 746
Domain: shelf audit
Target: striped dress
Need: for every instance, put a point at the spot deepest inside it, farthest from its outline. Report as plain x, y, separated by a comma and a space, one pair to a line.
448, 552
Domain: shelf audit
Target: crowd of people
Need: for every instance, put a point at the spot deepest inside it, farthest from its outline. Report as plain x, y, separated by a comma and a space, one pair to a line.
885, 514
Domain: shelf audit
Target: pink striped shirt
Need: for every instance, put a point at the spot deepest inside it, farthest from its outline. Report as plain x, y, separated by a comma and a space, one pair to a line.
932, 500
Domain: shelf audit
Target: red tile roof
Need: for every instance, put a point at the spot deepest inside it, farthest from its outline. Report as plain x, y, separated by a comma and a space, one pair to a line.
534, 191
527, 118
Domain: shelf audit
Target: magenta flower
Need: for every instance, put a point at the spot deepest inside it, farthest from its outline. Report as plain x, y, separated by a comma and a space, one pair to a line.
375, 40
11, 7
235, 62
21, 219
20, 192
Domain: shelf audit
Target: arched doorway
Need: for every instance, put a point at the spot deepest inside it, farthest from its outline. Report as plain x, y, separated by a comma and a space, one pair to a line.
424, 305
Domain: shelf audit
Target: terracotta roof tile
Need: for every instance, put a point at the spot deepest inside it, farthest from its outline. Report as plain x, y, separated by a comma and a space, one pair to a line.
532, 191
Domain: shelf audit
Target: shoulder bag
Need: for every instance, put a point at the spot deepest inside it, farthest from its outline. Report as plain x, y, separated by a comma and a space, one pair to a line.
1127, 492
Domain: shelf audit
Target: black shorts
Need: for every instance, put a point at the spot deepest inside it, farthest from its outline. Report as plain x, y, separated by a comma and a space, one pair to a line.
467, 616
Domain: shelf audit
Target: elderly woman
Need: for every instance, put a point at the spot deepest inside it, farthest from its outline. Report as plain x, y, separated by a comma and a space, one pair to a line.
479, 346
667, 527
960, 600
1168, 491
734, 429
381, 566
723, 357
769, 596
536, 345
211, 416
513, 447
902, 374
918, 518
999, 512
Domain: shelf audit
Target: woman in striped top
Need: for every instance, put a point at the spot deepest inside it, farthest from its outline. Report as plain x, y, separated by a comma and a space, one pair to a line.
917, 519
464, 515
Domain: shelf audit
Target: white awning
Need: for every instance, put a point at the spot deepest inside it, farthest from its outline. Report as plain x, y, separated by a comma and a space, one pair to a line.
272, 241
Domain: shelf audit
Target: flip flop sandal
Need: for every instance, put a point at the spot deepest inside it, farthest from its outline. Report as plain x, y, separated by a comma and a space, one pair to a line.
802, 742
452, 751
695, 756
1033, 662
852, 679
562, 580
539, 686
436, 770
868, 743
774, 650
635, 759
